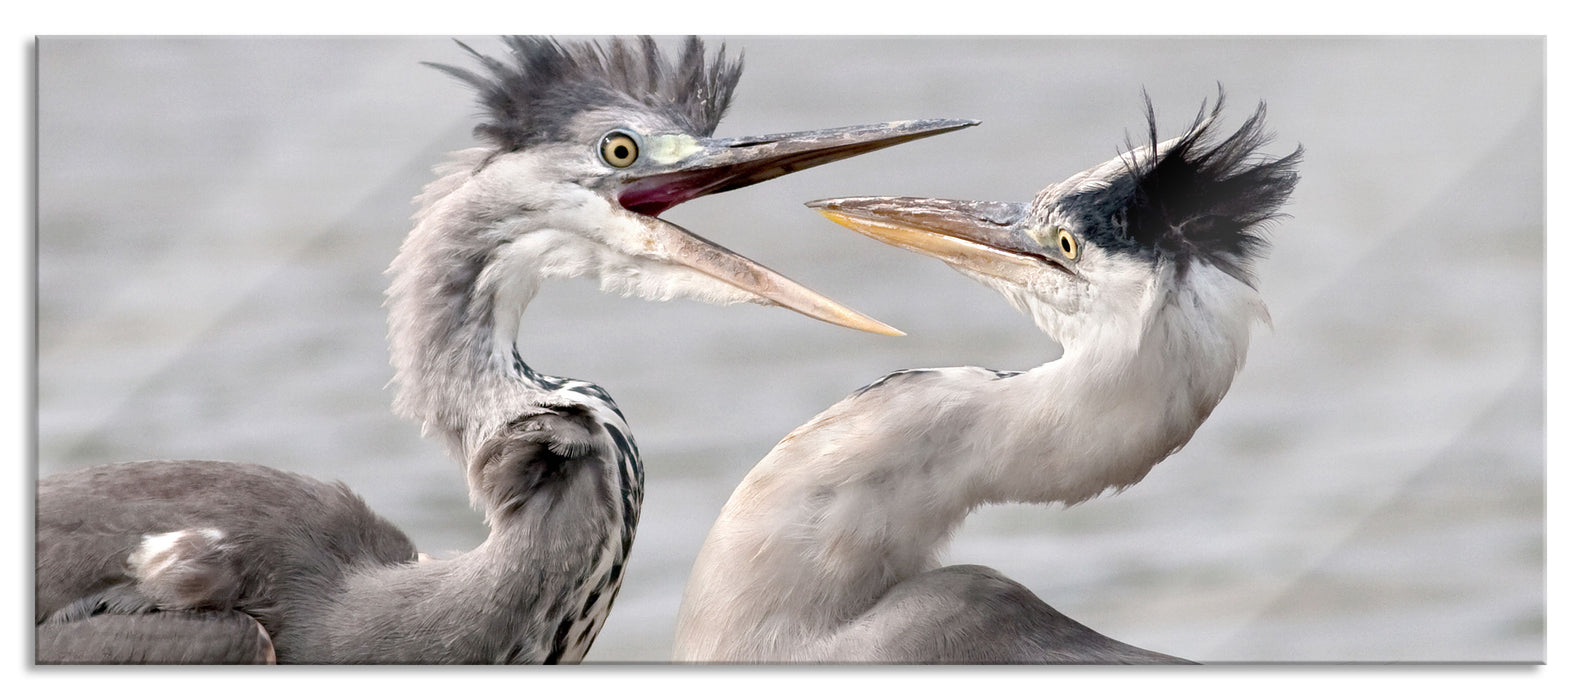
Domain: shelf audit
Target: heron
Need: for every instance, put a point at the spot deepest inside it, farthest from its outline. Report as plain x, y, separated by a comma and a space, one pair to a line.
1141, 270
583, 146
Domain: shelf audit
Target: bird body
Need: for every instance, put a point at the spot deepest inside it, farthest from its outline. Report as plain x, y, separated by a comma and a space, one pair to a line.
251, 534
863, 497
828, 549
585, 145
329, 580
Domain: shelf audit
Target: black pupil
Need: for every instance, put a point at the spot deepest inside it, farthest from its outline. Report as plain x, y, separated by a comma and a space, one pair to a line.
1065, 244
620, 151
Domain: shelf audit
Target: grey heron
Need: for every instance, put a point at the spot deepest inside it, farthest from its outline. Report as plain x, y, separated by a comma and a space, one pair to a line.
584, 145
1140, 268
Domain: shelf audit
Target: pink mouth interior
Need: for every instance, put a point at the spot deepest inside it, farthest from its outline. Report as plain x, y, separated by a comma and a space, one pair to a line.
653, 197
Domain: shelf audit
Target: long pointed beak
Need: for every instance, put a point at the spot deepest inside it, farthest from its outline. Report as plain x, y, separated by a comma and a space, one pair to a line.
985, 237
679, 168
676, 168
678, 245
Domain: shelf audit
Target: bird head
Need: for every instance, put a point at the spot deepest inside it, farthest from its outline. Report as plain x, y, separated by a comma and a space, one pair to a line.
1104, 250
587, 143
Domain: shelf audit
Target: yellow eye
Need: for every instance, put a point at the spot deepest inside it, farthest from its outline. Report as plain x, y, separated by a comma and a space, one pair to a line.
619, 149
1067, 244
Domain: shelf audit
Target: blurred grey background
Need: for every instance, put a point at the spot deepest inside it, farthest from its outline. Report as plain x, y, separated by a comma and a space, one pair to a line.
215, 215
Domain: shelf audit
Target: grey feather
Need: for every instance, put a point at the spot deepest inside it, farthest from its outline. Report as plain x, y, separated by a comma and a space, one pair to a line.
181, 637
531, 97
975, 615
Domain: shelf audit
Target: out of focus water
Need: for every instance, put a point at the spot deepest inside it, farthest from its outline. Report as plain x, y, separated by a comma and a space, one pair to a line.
215, 216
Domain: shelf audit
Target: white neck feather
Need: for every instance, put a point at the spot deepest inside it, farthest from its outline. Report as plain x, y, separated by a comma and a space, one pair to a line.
868, 492
460, 284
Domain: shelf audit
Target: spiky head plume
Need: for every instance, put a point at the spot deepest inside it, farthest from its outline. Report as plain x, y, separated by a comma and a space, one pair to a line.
532, 96
1190, 198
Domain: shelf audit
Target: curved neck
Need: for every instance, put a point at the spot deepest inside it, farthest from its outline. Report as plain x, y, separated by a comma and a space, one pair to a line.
454, 312
559, 535
867, 493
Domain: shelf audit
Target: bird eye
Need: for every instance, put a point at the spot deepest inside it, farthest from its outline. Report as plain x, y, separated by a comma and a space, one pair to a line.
619, 149
1067, 243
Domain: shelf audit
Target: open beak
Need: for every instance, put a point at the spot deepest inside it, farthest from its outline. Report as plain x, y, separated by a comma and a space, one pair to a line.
985, 237
678, 245
680, 168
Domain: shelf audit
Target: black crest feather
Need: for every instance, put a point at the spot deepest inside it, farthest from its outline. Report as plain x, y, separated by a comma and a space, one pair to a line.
1198, 198
531, 96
